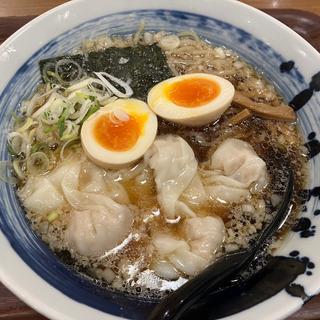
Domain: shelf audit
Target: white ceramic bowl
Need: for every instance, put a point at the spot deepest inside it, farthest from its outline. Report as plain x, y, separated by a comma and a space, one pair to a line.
27, 267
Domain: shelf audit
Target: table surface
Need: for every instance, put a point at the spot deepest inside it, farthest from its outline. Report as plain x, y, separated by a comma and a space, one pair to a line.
36, 7
10, 306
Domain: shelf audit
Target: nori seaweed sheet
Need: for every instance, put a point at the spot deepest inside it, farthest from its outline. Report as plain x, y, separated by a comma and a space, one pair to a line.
143, 66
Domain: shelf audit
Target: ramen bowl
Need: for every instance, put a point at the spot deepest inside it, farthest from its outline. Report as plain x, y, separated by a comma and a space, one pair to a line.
31, 270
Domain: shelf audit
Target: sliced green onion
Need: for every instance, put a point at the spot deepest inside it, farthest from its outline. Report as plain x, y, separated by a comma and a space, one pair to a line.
83, 110
52, 216
79, 85
49, 129
68, 143
82, 95
18, 119
6, 172
11, 151
52, 114
61, 122
17, 143
46, 72
53, 75
37, 163
39, 146
75, 75
16, 164
71, 131
43, 108
27, 125
94, 108
104, 76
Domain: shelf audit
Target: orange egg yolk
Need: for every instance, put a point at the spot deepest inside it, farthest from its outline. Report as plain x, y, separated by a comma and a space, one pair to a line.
117, 135
193, 92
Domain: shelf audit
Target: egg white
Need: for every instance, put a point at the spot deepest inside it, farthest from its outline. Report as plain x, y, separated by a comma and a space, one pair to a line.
191, 116
116, 159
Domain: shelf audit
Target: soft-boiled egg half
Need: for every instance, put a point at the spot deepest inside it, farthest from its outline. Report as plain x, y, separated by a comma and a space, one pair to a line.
193, 99
119, 133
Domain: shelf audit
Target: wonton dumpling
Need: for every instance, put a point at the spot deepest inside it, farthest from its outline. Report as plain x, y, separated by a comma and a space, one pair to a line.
165, 269
203, 237
238, 160
195, 194
97, 223
97, 182
166, 244
235, 167
93, 231
43, 197
57, 175
174, 165
187, 262
227, 193
93, 177
175, 255
44, 194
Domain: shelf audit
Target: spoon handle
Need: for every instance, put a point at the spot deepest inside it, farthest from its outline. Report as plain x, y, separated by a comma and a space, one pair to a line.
180, 300
175, 305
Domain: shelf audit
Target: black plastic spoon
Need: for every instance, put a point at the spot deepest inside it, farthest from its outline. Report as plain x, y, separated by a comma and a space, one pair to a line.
175, 305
